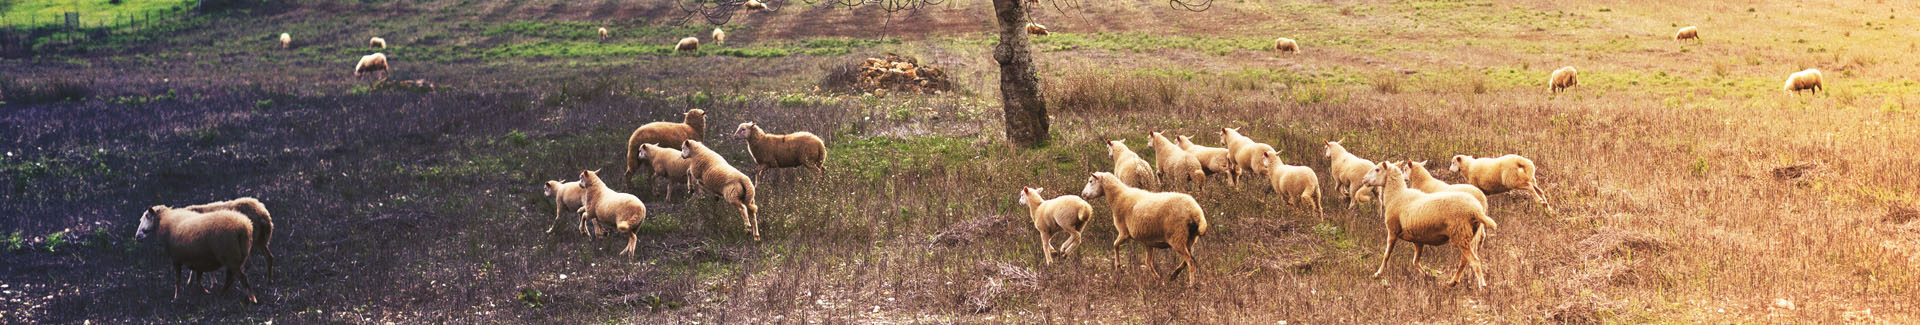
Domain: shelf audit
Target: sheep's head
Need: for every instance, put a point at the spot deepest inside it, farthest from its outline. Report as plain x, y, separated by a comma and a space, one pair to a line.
1186, 141
686, 150
695, 114
1333, 147
148, 220
1116, 146
745, 130
1273, 159
1381, 173
1094, 188
589, 178
1458, 161
645, 152
551, 187
1030, 195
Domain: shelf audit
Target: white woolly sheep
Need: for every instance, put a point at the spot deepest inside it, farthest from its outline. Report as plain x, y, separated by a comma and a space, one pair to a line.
1689, 32
1176, 164
1294, 184
1286, 45
257, 214
1036, 29
1212, 160
1419, 178
1129, 167
712, 173
1501, 174
1804, 80
667, 166
1445, 218
604, 33
286, 40
604, 206
692, 126
202, 242
1346, 170
754, 5
566, 197
1151, 219
688, 45
782, 150
1563, 79
719, 36
1247, 154
378, 43
1066, 213
376, 62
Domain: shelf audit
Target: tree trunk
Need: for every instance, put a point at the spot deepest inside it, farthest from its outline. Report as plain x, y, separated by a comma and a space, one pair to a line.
1025, 113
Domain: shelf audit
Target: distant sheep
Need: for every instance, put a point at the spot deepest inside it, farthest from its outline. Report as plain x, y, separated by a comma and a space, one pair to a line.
202, 242
692, 126
1286, 45
1347, 170
688, 45
1689, 32
604, 33
566, 198
712, 173
782, 150
1066, 213
1804, 80
1152, 219
286, 40
1036, 29
755, 5
378, 43
1501, 174
604, 206
1445, 218
667, 166
1130, 168
376, 62
719, 36
1213, 160
1563, 79
257, 214
1176, 164
1294, 184
1420, 179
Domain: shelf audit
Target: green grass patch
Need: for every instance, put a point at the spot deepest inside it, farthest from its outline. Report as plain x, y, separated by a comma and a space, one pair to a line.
877, 157
37, 13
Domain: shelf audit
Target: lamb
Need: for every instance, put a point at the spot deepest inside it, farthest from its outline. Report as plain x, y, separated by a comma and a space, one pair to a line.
257, 215
203, 242
1286, 45
692, 126
1445, 218
1152, 219
378, 43
1295, 184
604, 33
1562, 79
1175, 163
689, 44
376, 62
605, 206
1501, 174
1804, 80
1247, 154
1129, 167
566, 197
719, 36
286, 40
1037, 29
754, 5
782, 150
1212, 160
712, 173
1066, 213
1689, 32
1419, 178
667, 165
1346, 170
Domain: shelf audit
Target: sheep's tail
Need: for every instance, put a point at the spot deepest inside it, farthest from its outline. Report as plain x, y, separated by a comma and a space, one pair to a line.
1199, 224
1484, 220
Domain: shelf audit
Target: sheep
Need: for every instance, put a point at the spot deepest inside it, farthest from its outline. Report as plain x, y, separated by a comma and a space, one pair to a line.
689, 44
1804, 80
1562, 79
719, 36
1175, 163
1444, 218
1151, 219
1286, 45
712, 173
1212, 160
1419, 178
692, 126
1129, 167
604, 33
1295, 184
782, 150
1247, 154
667, 165
605, 206
566, 197
1689, 32
202, 242
1501, 174
754, 5
257, 214
1346, 170
376, 62
378, 43
1036, 29
1066, 213
286, 40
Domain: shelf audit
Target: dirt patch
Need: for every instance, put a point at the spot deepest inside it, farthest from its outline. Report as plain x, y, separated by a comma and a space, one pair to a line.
1900, 215
966, 232
1612, 242
1795, 172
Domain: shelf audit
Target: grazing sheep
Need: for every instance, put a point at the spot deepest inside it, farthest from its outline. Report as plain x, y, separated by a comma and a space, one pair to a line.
1129, 167
605, 206
754, 5
1286, 45
692, 126
566, 197
604, 33
1066, 213
1037, 29
712, 173
1804, 80
688, 45
1212, 160
203, 242
1247, 154
1445, 218
782, 150
1563, 79
667, 166
286, 40
719, 36
1419, 178
257, 214
1346, 170
1152, 219
1501, 174
1689, 32
378, 43
1175, 163
376, 62
1295, 184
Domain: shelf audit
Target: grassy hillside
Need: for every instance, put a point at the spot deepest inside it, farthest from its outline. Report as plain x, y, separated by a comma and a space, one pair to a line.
1687, 186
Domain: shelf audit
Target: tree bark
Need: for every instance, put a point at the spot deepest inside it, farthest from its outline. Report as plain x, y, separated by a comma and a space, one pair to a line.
1025, 113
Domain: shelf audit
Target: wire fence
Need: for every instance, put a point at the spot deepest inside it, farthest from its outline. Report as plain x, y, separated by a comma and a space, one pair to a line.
23, 33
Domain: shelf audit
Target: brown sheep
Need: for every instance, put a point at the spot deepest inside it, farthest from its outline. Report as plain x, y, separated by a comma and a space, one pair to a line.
257, 214
1689, 32
1036, 29
1445, 218
1175, 163
202, 242
782, 150
566, 197
1562, 79
1213, 160
667, 166
1286, 45
712, 173
376, 62
689, 44
1804, 80
1419, 178
378, 43
605, 206
1152, 219
1501, 174
1066, 213
693, 126
1130, 168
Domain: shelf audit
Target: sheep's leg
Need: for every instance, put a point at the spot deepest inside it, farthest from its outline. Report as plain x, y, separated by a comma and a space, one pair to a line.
176, 281
1464, 263
1384, 256
269, 265
1146, 255
1073, 241
1541, 196
244, 283
633, 238
1046, 245
229, 286
1186, 253
746, 218
559, 209
1121, 238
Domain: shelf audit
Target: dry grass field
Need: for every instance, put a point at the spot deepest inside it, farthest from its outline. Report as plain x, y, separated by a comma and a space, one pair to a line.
1687, 187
